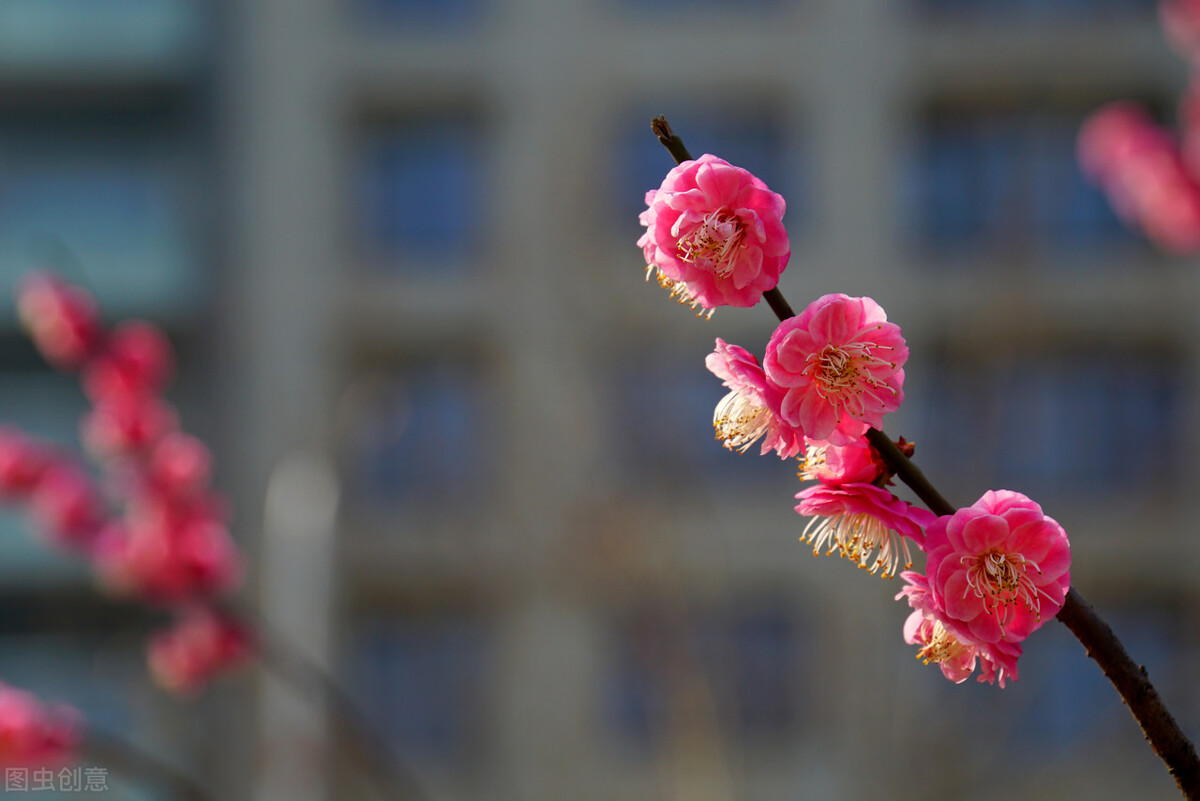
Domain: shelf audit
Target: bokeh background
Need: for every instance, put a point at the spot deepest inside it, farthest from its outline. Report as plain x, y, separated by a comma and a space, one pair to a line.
469, 448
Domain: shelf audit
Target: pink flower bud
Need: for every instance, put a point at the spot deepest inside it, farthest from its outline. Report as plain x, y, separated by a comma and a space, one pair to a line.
200, 646
61, 319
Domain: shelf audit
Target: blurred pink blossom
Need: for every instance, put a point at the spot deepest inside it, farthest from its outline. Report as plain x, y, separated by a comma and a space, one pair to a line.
744, 415
1142, 170
857, 520
68, 506
61, 319
714, 234
201, 645
33, 734
999, 568
839, 364
22, 462
136, 360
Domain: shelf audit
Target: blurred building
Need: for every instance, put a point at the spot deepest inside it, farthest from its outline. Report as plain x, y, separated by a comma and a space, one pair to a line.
470, 446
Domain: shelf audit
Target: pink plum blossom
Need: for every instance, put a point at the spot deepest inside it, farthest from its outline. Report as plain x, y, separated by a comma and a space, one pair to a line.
136, 360
714, 234
201, 645
744, 415
68, 506
34, 734
942, 642
126, 423
857, 520
999, 569
22, 462
1144, 173
839, 365
61, 319
854, 463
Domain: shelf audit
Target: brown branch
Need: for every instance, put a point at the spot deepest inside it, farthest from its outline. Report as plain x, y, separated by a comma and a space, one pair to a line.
1099, 641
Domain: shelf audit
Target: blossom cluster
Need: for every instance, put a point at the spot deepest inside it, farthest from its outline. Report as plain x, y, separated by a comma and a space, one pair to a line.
1151, 174
995, 571
147, 521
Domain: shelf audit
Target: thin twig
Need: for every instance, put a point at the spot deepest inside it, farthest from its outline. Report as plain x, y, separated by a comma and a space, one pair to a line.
135, 763
368, 747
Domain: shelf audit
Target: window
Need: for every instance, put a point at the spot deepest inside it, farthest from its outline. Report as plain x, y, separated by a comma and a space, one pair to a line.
1005, 182
663, 410
421, 437
748, 656
118, 33
420, 678
420, 195
103, 196
1068, 421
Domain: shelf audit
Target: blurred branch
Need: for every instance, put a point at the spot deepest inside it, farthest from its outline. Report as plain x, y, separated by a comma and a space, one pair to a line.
124, 758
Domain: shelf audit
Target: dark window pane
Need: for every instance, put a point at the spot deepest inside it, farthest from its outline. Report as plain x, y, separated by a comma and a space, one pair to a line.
747, 658
419, 190
1063, 422
109, 196
663, 409
1005, 183
421, 680
421, 437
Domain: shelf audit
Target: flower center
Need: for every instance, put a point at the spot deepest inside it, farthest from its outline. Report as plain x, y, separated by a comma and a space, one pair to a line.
1003, 580
856, 537
842, 374
943, 647
715, 242
740, 421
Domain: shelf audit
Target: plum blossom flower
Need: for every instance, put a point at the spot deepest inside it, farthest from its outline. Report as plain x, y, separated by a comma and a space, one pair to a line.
942, 642
999, 568
744, 415
34, 734
62, 319
839, 365
201, 645
136, 360
1144, 173
857, 520
855, 463
714, 234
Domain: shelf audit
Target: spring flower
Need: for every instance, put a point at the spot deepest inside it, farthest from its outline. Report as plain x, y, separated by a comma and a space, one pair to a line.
33, 734
714, 234
1000, 568
62, 319
201, 645
942, 642
855, 463
22, 462
857, 520
136, 360
1143, 172
839, 364
68, 506
744, 415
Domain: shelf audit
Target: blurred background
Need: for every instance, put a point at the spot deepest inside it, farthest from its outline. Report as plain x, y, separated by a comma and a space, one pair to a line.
469, 448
